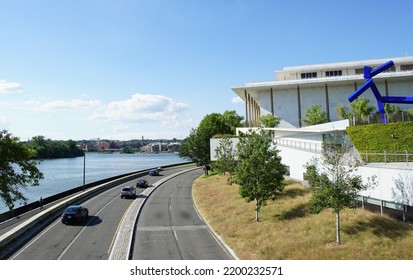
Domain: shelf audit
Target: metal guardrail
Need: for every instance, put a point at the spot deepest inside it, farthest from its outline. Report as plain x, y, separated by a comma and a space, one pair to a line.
303, 145
387, 157
394, 209
396, 117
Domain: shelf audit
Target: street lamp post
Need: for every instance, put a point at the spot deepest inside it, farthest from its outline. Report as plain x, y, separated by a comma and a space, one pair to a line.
84, 165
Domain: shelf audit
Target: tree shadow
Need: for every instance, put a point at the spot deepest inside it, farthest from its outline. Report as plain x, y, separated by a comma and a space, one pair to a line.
299, 211
293, 193
402, 191
380, 227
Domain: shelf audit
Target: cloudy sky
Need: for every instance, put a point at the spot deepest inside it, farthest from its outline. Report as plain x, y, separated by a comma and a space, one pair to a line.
154, 68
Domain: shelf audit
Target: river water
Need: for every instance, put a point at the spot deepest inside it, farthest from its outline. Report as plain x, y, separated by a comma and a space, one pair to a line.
64, 174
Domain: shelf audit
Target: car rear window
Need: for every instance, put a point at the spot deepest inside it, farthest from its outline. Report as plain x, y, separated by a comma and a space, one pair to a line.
126, 189
72, 210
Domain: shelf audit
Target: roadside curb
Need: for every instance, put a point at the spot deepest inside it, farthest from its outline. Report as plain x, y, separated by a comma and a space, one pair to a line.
121, 249
217, 237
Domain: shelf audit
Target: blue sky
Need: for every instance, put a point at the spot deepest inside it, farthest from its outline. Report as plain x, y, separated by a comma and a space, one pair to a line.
123, 69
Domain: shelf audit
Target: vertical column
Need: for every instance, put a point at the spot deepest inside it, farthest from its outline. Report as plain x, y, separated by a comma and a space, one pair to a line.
299, 106
272, 102
327, 103
249, 110
246, 109
386, 87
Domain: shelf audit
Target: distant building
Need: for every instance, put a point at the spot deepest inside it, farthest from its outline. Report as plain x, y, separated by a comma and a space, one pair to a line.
103, 145
297, 88
174, 147
155, 147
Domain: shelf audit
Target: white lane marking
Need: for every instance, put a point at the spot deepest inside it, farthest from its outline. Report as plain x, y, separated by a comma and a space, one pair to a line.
34, 240
176, 236
80, 232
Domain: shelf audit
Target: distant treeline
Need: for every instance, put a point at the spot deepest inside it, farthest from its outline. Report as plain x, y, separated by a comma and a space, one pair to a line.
50, 149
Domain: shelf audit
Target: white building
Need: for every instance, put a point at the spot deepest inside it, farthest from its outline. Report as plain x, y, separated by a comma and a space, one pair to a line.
297, 88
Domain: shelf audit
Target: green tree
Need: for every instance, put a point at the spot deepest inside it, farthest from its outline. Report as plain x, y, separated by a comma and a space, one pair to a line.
197, 145
16, 169
315, 115
343, 112
260, 173
226, 158
269, 121
232, 120
127, 150
361, 107
333, 179
48, 149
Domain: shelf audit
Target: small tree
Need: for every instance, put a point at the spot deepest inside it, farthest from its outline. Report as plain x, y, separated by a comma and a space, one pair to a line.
315, 115
361, 107
333, 179
343, 112
260, 173
226, 158
16, 169
269, 121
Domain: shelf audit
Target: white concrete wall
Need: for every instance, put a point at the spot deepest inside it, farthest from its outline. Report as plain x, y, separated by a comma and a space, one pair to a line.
338, 94
310, 96
265, 102
214, 143
387, 175
286, 105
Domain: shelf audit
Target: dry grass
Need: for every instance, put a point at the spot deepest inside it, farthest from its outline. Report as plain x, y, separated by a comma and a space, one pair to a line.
288, 231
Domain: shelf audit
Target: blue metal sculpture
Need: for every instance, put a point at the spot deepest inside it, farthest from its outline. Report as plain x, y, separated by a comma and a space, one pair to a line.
368, 75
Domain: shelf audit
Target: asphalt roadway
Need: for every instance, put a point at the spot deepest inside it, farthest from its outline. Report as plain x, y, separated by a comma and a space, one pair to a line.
169, 227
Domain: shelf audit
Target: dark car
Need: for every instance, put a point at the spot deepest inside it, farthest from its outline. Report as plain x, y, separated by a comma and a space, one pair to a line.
74, 214
142, 183
154, 172
128, 191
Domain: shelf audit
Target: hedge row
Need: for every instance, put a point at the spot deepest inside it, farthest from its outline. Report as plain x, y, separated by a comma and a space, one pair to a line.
380, 138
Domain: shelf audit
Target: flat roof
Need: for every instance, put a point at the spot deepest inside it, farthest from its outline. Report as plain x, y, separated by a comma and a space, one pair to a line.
352, 64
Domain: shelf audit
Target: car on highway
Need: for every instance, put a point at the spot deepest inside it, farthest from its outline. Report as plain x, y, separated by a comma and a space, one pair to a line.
141, 183
154, 172
128, 191
74, 214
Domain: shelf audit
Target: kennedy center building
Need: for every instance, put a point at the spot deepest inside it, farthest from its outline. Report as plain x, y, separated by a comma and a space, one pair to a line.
296, 88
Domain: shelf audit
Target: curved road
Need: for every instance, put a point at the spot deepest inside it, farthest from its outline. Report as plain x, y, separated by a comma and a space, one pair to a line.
170, 228
93, 239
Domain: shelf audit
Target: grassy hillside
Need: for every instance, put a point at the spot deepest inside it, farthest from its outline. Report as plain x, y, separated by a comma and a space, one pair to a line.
288, 231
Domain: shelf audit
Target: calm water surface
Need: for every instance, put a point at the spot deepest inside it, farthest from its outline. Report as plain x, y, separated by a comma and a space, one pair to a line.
64, 174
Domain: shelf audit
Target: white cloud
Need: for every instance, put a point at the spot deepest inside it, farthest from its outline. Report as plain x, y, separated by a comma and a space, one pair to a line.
62, 104
8, 87
3, 120
237, 99
142, 107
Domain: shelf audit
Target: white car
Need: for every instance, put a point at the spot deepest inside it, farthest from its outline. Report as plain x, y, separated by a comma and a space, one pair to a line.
128, 191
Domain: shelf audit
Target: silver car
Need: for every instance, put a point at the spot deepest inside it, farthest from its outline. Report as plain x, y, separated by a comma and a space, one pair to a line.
128, 191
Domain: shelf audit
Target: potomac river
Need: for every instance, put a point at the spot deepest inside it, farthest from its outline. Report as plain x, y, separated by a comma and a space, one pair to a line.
63, 174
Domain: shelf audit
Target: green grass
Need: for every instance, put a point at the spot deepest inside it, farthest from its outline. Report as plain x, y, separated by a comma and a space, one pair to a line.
288, 231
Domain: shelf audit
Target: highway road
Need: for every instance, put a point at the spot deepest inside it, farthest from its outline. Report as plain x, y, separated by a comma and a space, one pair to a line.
93, 239
170, 227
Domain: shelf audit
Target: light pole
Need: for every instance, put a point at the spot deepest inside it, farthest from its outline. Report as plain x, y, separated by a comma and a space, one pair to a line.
84, 165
